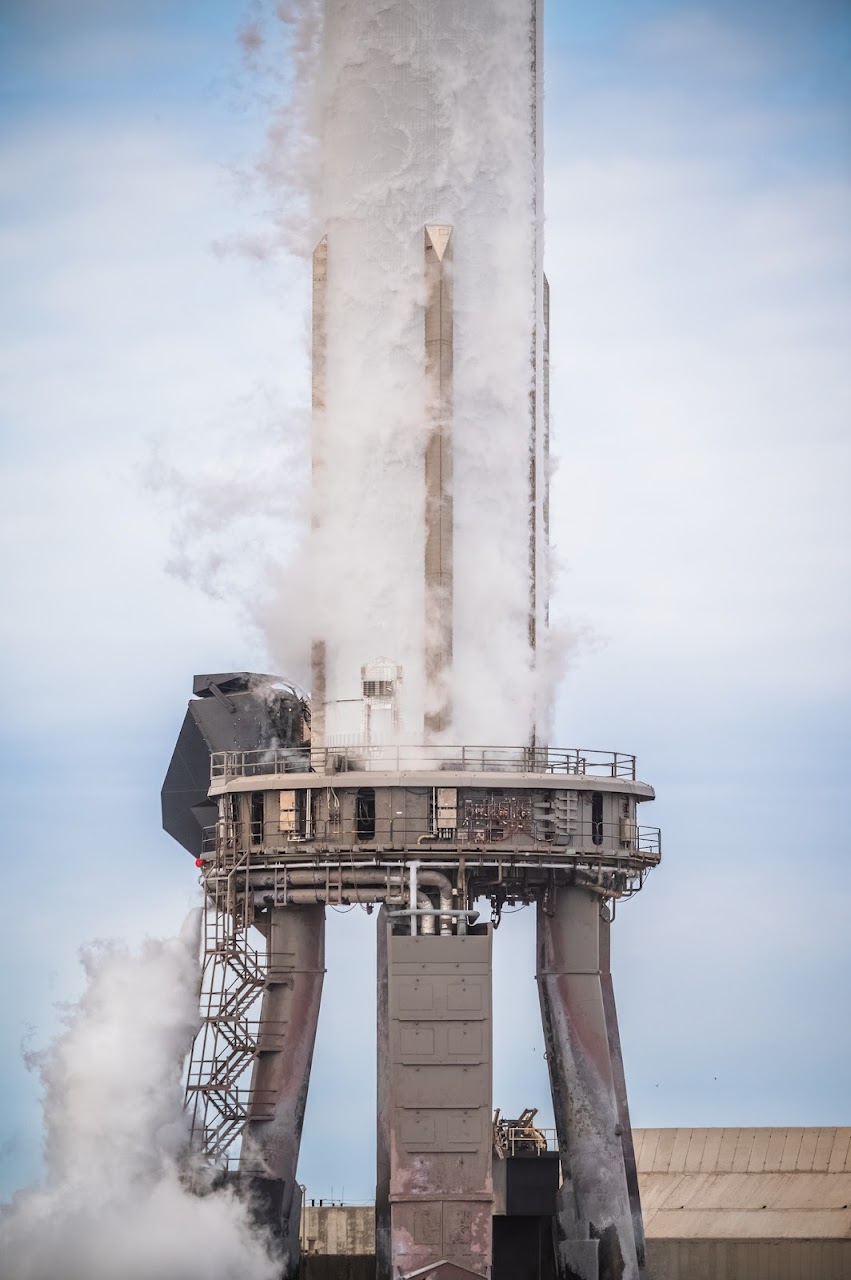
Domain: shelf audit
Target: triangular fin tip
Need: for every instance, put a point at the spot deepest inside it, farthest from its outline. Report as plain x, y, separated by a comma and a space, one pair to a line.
438, 235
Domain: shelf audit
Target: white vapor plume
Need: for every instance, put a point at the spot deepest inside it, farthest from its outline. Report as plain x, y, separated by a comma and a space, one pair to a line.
112, 1202
426, 116
397, 115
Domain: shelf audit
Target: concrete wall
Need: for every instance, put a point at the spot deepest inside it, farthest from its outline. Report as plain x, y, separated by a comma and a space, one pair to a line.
338, 1229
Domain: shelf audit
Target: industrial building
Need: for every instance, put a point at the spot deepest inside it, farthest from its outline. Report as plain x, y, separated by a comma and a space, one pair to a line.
719, 1204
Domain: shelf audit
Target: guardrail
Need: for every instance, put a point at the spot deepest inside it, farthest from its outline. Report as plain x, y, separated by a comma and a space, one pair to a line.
527, 1141
416, 758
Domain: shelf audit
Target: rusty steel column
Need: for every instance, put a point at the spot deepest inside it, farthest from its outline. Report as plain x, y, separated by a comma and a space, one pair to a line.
595, 1234
288, 1020
619, 1077
438, 476
435, 1188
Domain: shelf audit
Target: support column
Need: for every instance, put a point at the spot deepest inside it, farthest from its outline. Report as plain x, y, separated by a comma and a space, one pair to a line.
288, 1020
619, 1077
434, 1198
438, 477
594, 1222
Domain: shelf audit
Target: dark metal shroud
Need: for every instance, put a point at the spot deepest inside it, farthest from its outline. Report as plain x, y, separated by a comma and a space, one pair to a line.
231, 711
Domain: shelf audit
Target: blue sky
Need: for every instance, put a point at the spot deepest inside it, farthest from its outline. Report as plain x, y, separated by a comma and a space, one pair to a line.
698, 203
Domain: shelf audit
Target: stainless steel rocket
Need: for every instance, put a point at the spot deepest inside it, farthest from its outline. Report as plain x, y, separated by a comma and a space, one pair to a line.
418, 775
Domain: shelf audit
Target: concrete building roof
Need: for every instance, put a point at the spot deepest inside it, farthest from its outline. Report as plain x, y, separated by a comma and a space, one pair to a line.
792, 1184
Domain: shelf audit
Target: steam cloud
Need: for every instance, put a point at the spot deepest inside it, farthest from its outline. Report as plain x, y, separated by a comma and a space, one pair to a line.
425, 116
392, 116
112, 1202
413, 114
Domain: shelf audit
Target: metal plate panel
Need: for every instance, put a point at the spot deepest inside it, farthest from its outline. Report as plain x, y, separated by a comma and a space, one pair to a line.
438, 1081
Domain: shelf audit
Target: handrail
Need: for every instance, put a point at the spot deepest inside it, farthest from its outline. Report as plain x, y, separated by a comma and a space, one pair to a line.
522, 1140
403, 758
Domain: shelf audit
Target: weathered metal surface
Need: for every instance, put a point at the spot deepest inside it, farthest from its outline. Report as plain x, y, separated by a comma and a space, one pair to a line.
766, 1150
627, 1144
746, 1183
595, 1227
434, 1105
231, 710
288, 1020
567, 827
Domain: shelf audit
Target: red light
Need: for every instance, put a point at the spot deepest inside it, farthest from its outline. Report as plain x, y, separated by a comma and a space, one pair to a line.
199, 862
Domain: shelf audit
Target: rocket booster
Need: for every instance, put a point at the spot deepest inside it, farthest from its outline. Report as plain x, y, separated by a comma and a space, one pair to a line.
428, 541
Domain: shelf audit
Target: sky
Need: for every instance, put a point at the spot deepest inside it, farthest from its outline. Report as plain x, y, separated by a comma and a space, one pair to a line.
153, 392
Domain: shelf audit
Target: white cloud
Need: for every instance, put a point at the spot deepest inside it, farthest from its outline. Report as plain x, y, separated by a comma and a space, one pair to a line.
701, 392
124, 330
113, 1198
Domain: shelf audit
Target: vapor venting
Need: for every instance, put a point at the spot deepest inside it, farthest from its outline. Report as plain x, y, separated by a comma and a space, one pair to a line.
427, 118
112, 1202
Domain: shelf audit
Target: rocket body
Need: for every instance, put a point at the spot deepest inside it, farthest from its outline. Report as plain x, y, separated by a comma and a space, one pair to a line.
429, 439
426, 594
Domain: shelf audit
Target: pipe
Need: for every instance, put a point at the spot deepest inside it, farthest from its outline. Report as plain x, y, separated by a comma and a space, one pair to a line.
351, 877
443, 884
412, 898
339, 896
459, 914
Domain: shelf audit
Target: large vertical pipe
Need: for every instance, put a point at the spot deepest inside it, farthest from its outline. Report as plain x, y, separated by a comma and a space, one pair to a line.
595, 1228
438, 477
288, 1020
619, 1076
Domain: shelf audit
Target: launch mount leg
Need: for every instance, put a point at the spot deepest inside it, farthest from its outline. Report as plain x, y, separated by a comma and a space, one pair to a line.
595, 1234
630, 1167
288, 1019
